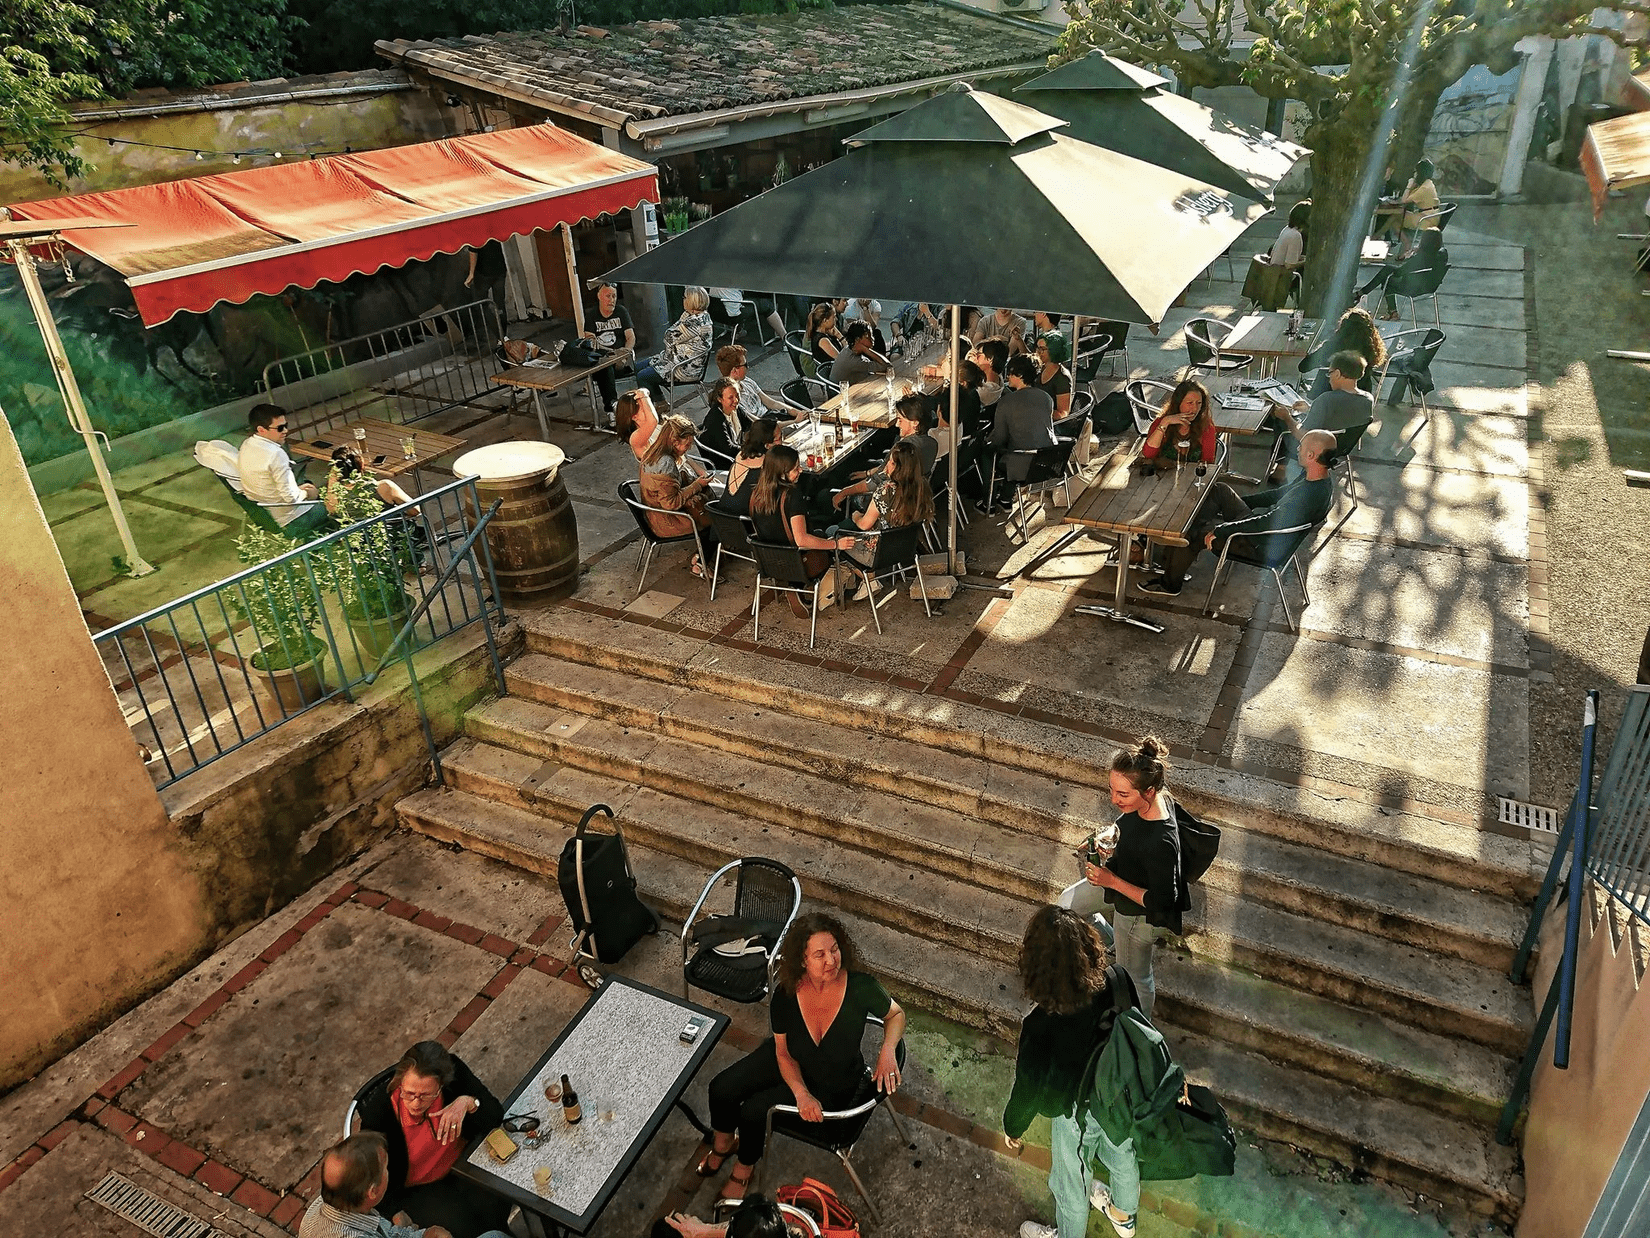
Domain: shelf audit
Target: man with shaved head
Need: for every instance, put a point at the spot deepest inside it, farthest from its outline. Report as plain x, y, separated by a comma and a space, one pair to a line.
354, 1176
1226, 512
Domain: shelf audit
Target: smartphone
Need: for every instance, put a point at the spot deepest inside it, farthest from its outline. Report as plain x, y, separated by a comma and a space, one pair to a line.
690, 1033
321, 443
379, 459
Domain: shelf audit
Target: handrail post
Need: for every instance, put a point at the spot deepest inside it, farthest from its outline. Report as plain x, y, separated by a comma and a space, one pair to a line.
1578, 882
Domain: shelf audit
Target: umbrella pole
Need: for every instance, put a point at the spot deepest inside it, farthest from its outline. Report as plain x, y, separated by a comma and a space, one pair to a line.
956, 438
73, 406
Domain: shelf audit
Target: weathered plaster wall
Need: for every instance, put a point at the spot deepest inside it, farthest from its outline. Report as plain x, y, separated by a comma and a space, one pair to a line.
1579, 1118
296, 118
98, 902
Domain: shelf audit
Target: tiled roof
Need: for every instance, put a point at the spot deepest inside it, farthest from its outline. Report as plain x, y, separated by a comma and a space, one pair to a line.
669, 68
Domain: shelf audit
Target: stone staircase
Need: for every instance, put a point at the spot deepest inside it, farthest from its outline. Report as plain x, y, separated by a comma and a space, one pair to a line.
1342, 985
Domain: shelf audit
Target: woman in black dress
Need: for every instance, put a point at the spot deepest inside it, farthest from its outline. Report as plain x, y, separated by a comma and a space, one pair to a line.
1143, 880
780, 516
820, 1003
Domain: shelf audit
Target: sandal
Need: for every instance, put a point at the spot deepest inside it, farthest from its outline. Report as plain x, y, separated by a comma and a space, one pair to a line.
696, 567
797, 608
734, 1180
705, 1169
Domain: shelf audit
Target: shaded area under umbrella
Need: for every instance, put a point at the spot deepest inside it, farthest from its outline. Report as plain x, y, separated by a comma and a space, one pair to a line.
1124, 108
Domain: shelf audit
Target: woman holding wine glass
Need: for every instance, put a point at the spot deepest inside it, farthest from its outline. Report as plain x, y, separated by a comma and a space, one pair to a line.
1186, 416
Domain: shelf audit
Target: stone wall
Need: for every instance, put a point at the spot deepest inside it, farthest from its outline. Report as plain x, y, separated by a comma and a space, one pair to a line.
1579, 1118
99, 902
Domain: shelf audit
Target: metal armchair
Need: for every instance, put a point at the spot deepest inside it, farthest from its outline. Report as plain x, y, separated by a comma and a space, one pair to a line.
1146, 400
732, 955
631, 497
781, 568
1263, 550
896, 553
1204, 338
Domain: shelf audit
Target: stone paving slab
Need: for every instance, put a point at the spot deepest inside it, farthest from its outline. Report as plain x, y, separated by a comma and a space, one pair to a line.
1455, 727
1486, 345
601, 528
1478, 389
1448, 439
1471, 513
67, 503
1458, 309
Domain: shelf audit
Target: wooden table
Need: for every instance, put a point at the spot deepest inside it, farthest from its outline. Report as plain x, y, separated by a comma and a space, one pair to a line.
1241, 420
1374, 252
800, 435
1265, 336
381, 453
540, 378
1121, 501
623, 1056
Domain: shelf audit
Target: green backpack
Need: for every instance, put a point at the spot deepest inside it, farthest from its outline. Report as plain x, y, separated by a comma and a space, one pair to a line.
1132, 1087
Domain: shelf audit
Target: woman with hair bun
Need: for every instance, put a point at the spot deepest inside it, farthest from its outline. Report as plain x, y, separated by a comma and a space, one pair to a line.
1063, 963
1142, 879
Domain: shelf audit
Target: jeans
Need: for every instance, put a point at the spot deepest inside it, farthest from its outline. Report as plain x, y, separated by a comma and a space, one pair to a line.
648, 377
1072, 1150
1223, 504
1133, 939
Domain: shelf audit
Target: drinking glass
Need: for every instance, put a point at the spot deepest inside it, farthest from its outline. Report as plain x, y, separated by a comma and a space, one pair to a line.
361, 439
409, 447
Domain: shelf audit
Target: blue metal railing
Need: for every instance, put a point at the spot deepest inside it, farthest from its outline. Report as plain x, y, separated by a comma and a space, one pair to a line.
212, 671
1606, 838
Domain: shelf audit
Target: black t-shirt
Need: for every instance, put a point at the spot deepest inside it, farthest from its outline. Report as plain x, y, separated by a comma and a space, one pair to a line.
834, 1066
1057, 386
609, 332
739, 501
1148, 855
774, 526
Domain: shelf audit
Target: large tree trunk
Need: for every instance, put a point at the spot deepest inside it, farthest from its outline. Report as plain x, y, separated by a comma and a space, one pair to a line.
1340, 148
1409, 142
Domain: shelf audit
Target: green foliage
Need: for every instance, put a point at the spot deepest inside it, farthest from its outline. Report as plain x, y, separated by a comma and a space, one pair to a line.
120, 399
365, 567
279, 601
44, 55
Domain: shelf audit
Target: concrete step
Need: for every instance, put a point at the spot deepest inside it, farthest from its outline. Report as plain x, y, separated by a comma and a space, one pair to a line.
1317, 1109
1437, 1156
1453, 854
1339, 1039
1470, 925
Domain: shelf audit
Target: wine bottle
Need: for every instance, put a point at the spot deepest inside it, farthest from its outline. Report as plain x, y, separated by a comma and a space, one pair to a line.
570, 1111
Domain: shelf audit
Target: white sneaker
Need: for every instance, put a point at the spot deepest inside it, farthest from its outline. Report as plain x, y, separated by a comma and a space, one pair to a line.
1036, 1229
1100, 1197
867, 587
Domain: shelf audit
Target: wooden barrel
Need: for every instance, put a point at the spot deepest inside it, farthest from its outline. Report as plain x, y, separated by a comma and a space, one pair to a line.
535, 536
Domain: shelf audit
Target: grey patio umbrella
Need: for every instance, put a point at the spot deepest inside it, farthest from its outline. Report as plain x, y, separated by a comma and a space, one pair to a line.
968, 198
1123, 107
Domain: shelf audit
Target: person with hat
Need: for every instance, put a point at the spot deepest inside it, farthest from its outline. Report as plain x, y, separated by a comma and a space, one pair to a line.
1053, 351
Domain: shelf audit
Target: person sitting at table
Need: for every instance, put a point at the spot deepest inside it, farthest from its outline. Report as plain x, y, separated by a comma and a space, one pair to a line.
267, 478
722, 428
1186, 414
347, 475
1355, 332
859, 361
427, 1110
757, 1217
1005, 325
992, 358
969, 378
1225, 512
1043, 323
753, 401
823, 339
746, 469
899, 495
354, 1177
1052, 376
914, 419
1421, 256
671, 481
1271, 275
1420, 197
1024, 420
686, 343
1343, 407
868, 311
635, 421
610, 327
780, 516
821, 1000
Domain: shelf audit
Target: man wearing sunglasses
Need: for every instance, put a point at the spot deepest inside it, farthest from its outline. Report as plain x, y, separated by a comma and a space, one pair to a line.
266, 473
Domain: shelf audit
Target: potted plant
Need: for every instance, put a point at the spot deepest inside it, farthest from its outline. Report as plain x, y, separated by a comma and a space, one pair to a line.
367, 568
283, 608
676, 215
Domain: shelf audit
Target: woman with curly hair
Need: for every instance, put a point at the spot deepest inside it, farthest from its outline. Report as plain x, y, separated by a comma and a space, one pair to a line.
1355, 332
1063, 964
820, 1003
1186, 414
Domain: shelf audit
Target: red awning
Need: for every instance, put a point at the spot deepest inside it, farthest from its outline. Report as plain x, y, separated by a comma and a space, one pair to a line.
228, 237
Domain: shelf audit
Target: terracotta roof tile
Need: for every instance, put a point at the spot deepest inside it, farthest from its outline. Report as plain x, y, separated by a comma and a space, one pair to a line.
666, 68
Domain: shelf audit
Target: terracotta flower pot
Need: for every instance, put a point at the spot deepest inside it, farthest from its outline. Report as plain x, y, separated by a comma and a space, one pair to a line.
292, 689
376, 633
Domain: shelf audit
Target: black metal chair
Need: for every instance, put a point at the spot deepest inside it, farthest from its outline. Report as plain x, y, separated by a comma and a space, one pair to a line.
896, 554
1049, 469
1204, 340
732, 955
802, 359
1340, 467
1102, 342
733, 534
841, 1129
726, 321
1259, 550
1409, 365
1146, 400
1439, 216
631, 497
361, 1094
781, 568
808, 392
1413, 285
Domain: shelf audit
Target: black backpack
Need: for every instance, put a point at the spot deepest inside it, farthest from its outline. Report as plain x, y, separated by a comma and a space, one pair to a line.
600, 892
1112, 415
579, 354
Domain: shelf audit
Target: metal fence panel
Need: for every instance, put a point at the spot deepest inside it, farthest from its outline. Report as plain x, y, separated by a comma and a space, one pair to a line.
1619, 859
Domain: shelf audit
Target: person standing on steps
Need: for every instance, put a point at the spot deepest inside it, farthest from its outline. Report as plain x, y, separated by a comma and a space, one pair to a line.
1142, 880
1063, 964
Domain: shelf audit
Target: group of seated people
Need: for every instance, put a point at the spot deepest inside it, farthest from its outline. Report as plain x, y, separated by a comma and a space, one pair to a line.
303, 509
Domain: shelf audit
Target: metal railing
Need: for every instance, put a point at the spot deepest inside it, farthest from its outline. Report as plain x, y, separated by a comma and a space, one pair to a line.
1606, 838
415, 369
209, 673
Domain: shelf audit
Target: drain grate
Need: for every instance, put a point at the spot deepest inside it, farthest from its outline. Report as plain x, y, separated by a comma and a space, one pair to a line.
148, 1211
1529, 816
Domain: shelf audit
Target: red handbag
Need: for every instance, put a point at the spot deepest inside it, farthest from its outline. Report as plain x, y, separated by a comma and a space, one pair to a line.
835, 1218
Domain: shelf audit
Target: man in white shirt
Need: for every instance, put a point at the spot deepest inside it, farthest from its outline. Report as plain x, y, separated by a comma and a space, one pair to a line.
266, 473
753, 401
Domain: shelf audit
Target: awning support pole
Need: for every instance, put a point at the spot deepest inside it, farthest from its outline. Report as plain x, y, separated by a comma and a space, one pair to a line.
73, 405
956, 443
573, 280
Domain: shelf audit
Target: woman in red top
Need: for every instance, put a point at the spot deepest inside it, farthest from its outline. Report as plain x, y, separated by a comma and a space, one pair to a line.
1186, 414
